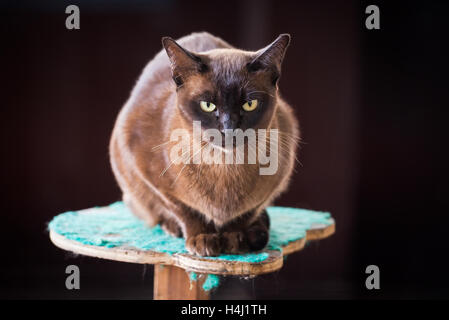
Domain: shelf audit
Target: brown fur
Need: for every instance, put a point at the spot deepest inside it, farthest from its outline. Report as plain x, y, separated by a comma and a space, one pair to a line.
217, 208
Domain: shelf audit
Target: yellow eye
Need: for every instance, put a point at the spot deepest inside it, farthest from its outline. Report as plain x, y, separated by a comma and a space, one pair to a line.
207, 106
250, 105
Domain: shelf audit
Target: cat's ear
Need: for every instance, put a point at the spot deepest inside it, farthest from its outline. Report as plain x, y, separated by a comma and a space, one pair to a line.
272, 55
182, 61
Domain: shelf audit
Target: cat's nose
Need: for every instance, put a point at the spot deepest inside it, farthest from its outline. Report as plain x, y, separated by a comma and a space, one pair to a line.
227, 122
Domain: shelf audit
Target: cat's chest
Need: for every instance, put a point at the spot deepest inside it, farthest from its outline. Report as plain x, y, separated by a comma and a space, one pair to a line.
221, 190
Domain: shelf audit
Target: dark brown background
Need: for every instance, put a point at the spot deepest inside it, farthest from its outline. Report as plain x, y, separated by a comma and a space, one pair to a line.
372, 107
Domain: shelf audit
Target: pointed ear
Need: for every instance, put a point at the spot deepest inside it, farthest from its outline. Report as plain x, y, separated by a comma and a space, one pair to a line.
272, 55
182, 61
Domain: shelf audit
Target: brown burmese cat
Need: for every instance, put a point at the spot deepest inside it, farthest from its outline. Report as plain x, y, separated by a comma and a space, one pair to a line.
218, 208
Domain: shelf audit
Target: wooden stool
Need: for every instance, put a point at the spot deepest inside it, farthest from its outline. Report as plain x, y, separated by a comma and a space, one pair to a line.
114, 233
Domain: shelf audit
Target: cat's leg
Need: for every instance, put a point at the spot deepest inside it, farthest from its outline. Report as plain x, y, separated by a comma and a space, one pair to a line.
149, 216
151, 210
245, 234
171, 227
201, 236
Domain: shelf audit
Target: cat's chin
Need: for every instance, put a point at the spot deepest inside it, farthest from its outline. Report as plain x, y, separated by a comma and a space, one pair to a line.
221, 148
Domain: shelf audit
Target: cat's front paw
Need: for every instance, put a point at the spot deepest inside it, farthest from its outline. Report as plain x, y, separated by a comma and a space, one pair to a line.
234, 242
204, 244
237, 242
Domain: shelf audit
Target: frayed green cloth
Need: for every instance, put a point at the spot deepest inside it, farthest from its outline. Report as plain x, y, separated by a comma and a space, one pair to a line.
115, 226
212, 281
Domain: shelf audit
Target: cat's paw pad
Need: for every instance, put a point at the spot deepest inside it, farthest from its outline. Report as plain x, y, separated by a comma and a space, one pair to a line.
204, 244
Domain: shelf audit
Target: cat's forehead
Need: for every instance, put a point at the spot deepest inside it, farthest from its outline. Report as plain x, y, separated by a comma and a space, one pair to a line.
228, 65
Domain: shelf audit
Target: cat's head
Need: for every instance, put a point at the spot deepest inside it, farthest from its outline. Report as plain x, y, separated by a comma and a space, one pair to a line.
227, 88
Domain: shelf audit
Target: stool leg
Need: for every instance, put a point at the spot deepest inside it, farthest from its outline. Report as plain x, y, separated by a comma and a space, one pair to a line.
173, 283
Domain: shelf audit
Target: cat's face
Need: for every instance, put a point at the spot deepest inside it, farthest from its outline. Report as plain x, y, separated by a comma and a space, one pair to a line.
227, 88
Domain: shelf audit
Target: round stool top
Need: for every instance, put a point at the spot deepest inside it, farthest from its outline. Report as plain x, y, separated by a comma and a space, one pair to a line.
113, 232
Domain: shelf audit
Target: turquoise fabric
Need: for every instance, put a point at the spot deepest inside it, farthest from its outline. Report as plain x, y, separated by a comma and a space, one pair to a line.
212, 281
115, 225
